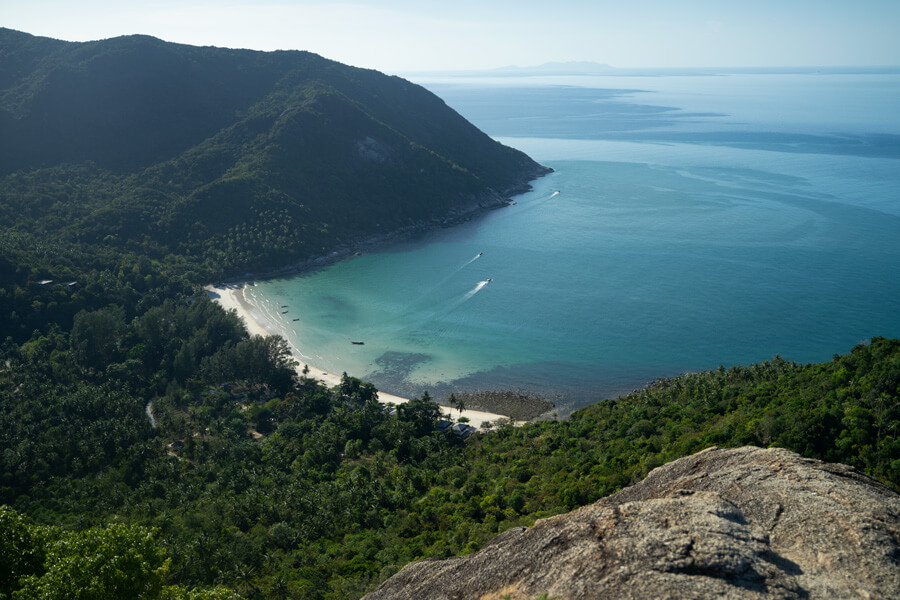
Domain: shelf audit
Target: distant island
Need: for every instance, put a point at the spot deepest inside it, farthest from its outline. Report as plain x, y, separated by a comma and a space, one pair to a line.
588, 68
556, 68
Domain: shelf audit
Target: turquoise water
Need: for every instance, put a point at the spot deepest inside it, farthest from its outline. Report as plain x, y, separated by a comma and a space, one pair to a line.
690, 222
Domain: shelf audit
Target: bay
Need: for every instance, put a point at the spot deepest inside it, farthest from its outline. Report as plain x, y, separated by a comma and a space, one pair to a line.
690, 222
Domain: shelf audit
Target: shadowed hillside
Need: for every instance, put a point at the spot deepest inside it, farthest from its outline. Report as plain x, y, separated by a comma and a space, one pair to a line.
137, 154
187, 149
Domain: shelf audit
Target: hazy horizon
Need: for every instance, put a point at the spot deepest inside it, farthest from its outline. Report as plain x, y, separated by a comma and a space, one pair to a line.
405, 36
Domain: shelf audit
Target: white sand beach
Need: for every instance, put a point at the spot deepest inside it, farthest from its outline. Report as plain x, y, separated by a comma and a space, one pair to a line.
231, 296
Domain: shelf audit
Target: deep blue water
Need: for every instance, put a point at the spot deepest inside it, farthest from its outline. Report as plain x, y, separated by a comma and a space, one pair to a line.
691, 221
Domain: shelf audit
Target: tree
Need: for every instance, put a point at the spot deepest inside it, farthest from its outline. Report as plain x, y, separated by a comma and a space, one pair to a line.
180, 593
115, 562
457, 403
352, 388
118, 562
95, 335
422, 413
258, 359
21, 550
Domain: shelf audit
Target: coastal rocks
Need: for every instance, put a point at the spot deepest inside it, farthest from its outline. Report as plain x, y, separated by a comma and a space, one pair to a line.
518, 405
734, 524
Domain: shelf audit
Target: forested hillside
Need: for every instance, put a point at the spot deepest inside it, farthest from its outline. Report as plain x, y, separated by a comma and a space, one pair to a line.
303, 492
137, 154
151, 448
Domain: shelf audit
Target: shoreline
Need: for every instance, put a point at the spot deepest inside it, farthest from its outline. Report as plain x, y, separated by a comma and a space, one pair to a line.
488, 201
231, 296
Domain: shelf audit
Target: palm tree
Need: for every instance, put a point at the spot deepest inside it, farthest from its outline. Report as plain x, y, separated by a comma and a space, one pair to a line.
457, 403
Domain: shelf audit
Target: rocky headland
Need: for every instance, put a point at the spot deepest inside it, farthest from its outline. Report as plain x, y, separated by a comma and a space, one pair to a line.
735, 524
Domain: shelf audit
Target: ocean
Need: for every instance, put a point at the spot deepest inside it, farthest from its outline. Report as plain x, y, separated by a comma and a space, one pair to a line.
692, 220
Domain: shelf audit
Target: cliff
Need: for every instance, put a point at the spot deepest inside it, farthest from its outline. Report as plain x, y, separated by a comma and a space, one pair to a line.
740, 523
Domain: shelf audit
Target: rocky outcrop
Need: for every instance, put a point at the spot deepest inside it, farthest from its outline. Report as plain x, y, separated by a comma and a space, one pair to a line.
739, 523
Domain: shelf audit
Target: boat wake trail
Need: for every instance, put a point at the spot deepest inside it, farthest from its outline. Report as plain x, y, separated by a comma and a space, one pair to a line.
459, 301
473, 259
538, 203
440, 284
458, 269
441, 310
475, 290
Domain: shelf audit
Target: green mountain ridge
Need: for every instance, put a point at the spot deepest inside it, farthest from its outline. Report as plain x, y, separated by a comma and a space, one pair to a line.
209, 163
186, 145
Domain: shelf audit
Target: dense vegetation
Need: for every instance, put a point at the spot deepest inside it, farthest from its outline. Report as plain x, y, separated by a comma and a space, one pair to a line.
303, 492
151, 448
133, 153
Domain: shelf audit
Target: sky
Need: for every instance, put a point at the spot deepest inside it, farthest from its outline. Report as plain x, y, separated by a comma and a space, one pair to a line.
397, 36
